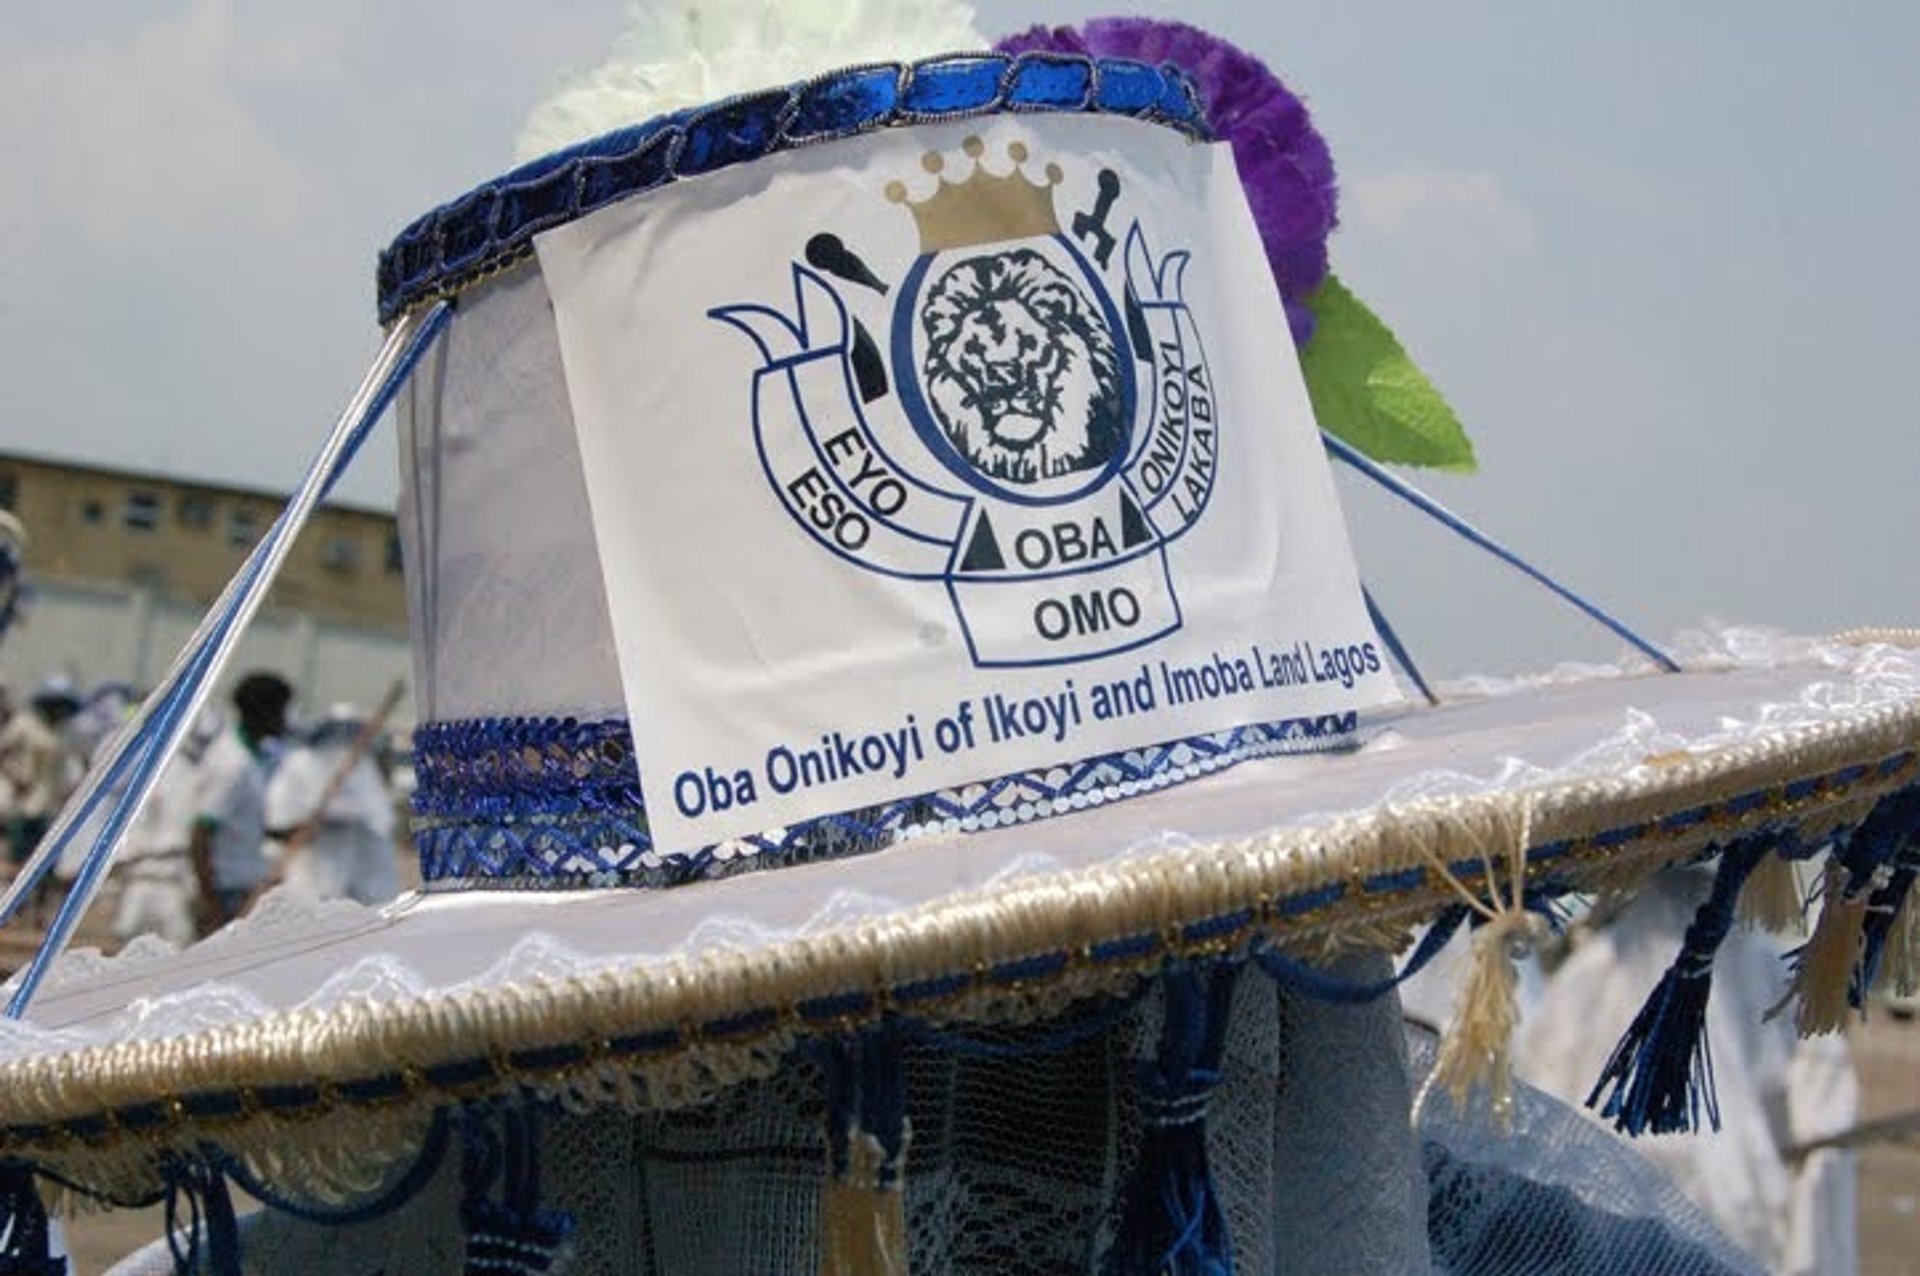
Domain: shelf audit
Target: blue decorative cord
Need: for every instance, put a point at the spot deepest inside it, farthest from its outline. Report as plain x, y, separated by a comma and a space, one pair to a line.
124, 749
203, 1187
1313, 982
409, 1184
1433, 509
115, 774
1880, 861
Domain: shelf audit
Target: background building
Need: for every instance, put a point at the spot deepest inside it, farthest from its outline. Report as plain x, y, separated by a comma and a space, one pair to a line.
122, 563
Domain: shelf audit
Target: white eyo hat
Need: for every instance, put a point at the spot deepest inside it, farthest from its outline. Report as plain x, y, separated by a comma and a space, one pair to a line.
877, 590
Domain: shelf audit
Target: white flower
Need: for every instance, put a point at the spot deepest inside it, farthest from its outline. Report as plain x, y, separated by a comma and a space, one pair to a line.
679, 54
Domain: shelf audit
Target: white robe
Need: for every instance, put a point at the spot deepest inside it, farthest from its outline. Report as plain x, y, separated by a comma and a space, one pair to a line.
157, 887
352, 852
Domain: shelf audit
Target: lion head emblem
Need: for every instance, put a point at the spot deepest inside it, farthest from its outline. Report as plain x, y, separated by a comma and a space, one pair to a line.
1020, 369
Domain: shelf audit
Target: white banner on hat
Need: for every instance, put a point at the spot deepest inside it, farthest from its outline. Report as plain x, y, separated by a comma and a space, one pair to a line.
942, 454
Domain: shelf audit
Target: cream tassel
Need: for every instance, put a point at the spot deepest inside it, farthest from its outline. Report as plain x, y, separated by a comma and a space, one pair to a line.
1827, 963
1476, 1054
1773, 900
863, 1224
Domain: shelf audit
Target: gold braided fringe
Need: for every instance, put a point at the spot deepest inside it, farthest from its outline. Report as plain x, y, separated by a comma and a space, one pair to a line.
1823, 980
1249, 882
1869, 636
1476, 1053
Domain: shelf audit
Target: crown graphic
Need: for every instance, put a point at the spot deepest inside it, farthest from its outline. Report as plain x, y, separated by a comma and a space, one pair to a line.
983, 209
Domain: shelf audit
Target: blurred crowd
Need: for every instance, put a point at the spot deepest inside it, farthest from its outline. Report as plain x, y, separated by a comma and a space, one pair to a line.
256, 798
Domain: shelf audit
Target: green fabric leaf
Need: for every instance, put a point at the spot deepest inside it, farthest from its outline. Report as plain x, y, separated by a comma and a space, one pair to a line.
1368, 393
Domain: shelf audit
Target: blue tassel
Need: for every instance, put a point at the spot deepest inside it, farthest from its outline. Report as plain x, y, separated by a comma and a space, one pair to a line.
863, 1221
201, 1186
512, 1235
1882, 856
26, 1247
1832, 971
1883, 912
866, 1095
1661, 1073
1172, 1223
1881, 836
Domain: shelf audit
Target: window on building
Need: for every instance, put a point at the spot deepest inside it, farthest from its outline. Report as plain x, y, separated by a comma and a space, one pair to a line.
396, 560
92, 512
9, 489
195, 511
340, 554
142, 511
243, 528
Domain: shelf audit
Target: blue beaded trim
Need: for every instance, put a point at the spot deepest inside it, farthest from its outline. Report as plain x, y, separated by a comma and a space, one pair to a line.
555, 803
490, 227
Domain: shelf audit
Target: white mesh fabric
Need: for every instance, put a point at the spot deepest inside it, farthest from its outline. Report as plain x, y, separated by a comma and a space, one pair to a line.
494, 521
1556, 1194
1017, 1166
1350, 1196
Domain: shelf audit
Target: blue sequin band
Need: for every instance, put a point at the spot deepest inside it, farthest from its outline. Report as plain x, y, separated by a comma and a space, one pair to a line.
555, 803
491, 227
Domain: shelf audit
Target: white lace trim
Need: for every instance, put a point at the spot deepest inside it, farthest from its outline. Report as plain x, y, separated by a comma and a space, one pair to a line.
1866, 678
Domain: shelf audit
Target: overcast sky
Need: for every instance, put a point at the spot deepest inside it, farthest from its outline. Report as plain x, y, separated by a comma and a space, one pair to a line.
1662, 258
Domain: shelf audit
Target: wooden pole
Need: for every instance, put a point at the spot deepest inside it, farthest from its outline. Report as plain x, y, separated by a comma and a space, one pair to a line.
303, 835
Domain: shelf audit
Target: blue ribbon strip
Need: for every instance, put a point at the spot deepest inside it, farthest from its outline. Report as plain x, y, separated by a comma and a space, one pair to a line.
137, 761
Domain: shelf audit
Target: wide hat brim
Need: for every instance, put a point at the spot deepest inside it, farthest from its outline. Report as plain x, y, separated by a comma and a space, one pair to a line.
318, 1040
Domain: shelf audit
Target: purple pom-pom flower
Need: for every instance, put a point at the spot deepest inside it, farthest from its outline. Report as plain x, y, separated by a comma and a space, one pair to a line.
1284, 162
